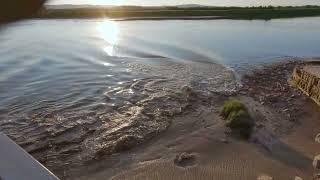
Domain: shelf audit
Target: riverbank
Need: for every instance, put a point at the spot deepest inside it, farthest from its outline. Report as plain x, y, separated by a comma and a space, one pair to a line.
160, 13
198, 145
76, 110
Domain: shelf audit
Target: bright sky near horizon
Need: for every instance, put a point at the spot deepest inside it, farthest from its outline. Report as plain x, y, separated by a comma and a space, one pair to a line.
178, 2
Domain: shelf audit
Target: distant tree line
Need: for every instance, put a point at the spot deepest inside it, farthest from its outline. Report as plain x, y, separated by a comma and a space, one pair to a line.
257, 12
15, 9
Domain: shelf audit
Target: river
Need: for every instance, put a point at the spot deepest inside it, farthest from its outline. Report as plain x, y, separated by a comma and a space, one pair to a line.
82, 87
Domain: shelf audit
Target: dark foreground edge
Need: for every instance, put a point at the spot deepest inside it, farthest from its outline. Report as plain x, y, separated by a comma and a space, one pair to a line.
17, 164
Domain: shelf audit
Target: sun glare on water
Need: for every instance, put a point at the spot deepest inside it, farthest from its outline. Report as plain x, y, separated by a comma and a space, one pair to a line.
109, 31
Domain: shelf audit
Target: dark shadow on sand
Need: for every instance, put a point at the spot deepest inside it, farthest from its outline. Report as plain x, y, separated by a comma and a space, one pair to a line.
280, 151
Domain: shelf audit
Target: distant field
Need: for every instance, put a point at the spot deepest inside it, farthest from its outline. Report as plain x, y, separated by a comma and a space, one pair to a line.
221, 12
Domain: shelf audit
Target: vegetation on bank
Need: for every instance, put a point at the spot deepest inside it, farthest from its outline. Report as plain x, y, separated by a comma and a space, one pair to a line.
11, 10
268, 12
237, 117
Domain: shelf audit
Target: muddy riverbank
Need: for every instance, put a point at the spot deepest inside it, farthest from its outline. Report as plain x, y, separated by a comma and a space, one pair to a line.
197, 145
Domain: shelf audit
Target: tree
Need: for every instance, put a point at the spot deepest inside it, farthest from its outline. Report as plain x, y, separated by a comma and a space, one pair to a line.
16, 9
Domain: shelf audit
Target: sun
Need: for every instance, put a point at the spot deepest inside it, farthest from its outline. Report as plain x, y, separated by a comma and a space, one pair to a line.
91, 2
107, 2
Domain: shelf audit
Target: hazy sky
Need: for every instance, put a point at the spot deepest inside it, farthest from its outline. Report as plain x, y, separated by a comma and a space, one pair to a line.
175, 2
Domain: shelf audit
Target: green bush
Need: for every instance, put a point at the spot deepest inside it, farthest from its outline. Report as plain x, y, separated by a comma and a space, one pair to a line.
231, 106
237, 117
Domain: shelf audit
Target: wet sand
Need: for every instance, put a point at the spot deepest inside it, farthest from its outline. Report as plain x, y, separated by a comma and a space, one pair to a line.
281, 146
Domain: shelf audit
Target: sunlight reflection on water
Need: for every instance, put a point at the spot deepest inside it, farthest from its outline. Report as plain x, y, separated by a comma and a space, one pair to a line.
109, 31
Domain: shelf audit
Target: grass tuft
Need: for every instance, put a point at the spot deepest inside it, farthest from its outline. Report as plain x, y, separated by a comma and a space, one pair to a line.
237, 117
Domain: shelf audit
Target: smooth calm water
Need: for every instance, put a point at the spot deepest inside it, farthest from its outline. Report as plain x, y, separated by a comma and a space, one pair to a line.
55, 75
